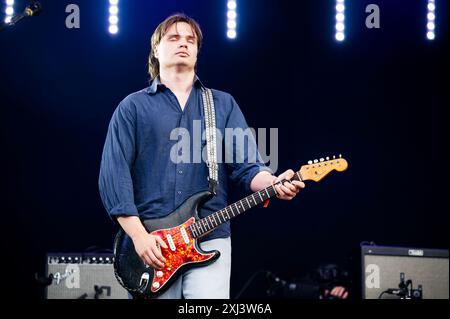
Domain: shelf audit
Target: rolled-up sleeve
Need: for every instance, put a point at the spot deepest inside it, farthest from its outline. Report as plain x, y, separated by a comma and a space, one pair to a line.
247, 161
115, 181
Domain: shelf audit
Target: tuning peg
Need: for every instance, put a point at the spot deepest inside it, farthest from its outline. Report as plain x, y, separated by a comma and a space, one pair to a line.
321, 159
327, 158
316, 161
340, 155
310, 162
334, 157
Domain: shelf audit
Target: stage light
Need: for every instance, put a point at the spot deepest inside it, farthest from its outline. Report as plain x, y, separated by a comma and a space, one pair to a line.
340, 7
231, 34
113, 10
113, 20
113, 16
231, 24
231, 5
340, 17
340, 36
9, 10
231, 19
113, 29
340, 26
431, 17
231, 15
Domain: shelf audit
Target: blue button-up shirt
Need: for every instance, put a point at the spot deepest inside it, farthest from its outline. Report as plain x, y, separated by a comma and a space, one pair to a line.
138, 173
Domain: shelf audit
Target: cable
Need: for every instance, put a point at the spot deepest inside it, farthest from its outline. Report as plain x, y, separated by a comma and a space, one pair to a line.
367, 243
249, 281
97, 249
384, 292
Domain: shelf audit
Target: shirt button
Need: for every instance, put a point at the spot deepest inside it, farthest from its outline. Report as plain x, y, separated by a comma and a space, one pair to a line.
180, 171
179, 192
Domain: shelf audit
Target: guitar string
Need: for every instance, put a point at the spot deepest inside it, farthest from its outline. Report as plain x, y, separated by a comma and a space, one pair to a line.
177, 233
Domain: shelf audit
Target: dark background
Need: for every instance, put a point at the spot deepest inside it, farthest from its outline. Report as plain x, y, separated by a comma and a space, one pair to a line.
380, 98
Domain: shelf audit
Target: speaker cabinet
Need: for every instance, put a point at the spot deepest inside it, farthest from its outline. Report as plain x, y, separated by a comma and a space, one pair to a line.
382, 268
82, 276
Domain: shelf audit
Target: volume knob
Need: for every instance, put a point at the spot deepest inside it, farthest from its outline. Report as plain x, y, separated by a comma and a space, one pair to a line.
156, 285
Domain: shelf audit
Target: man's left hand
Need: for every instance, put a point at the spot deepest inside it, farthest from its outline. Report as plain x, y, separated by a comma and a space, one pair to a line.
287, 190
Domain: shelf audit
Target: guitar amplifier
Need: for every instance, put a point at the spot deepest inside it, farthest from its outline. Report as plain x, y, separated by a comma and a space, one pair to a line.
425, 271
82, 276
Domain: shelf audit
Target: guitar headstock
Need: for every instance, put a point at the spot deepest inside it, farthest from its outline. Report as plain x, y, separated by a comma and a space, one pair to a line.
318, 169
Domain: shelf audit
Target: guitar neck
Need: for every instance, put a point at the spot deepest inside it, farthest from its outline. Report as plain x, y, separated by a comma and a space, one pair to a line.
211, 222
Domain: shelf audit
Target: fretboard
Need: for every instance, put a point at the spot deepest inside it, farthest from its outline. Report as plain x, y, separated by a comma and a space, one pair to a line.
211, 222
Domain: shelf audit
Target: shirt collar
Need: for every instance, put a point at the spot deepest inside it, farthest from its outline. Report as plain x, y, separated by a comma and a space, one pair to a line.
156, 83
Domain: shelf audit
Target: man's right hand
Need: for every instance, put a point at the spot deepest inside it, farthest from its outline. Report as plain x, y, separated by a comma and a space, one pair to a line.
147, 248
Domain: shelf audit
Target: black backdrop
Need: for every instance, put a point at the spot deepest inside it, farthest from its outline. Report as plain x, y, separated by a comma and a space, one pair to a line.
380, 98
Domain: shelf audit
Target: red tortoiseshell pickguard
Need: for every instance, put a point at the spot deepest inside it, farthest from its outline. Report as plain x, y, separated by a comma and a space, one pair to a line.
184, 253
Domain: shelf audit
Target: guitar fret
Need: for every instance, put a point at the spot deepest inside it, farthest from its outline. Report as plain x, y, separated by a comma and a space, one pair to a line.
210, 221
235, 205
267, 192
254, 200
226, 211
248, 202
193, 231
200, 227
231, 208
223, 216
205, 224
218, 217
274, 190
260, 196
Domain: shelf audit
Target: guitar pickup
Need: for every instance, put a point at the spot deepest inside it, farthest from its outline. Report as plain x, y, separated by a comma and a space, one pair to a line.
184, 235
170, 242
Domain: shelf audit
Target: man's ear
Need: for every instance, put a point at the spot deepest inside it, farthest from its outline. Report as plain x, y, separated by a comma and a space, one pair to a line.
155, 52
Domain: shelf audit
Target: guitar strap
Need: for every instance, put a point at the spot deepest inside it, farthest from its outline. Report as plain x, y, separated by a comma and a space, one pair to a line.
211, 145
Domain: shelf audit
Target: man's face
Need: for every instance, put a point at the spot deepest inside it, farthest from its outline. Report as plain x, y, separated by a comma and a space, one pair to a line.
178, 47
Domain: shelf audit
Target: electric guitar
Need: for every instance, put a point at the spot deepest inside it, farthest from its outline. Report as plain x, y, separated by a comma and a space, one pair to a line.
182, 229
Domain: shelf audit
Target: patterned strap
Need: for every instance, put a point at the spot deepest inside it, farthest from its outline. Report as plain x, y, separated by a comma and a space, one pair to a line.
211, 146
